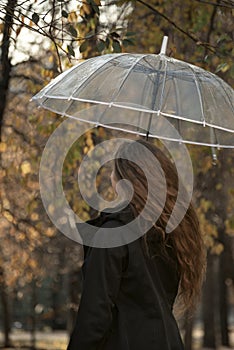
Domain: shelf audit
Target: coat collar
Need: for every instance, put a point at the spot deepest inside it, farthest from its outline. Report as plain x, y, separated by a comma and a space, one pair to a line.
122, 213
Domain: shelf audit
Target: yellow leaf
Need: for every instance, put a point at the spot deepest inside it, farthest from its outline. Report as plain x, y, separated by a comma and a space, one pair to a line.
89, 141
51, 59
1, 27
33, 233
2, 173
20, 236
217, 249
32, 263
6, 203
86, 8
225, 68
34, 216
3, 147
218, 186
72, 16
50, 232
26, 167
8, 216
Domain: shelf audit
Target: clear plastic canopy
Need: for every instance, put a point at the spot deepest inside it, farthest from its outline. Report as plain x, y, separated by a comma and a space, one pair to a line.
137, 93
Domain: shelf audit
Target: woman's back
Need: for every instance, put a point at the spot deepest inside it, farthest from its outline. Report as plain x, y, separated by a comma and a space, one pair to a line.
133, 295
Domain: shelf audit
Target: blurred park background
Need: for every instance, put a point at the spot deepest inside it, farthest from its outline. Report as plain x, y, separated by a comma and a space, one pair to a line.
40, 269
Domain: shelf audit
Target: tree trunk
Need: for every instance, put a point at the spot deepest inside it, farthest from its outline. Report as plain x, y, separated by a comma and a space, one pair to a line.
75, 289
223, 302
5, 70
209, 340
223, 259
6, 312
5, 62
33, 315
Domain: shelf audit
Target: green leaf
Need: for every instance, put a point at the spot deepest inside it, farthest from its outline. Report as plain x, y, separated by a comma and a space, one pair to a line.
90, 34
221, 67
64, 14
127, 42
95, 7
116, 46
101, 45
115, 35
83, 46
72, 31
130, 33
35, 18
107, 42
70, 50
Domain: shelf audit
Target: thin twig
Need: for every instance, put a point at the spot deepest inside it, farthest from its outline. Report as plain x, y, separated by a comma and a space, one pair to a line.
231, 6
198, 42
211, 27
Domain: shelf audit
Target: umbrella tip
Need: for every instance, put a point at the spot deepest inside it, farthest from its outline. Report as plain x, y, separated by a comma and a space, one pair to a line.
164, 46
214, 156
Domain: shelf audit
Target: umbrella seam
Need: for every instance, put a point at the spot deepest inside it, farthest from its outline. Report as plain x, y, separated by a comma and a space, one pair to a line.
114, 96
153, 136
143, 110
127, 74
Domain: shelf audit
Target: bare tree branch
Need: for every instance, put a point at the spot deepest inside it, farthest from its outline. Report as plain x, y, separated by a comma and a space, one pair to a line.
196, 40
227, 4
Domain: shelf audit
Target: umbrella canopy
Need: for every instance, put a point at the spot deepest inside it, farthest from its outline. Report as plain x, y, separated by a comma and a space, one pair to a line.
146, 88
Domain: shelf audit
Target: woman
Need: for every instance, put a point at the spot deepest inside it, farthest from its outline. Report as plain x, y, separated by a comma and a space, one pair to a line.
129, 290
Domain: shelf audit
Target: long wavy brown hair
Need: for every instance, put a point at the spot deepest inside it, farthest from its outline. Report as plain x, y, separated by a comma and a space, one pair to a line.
185, 241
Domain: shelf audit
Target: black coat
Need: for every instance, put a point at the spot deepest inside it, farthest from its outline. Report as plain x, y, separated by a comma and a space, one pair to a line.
127, 298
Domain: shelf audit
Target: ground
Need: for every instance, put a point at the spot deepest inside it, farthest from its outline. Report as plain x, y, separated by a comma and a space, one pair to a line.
58, 340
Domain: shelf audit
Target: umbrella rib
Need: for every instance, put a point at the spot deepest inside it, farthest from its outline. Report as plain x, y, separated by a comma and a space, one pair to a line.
199, 92
155, 94
213, 136
141, 113
163, 87
116, 94
178, 109
213, 131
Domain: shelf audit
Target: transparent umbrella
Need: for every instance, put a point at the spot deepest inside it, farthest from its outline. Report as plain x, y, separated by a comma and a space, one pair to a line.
138, 92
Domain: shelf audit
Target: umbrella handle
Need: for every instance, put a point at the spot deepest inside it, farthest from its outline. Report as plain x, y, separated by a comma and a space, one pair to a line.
164, 45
